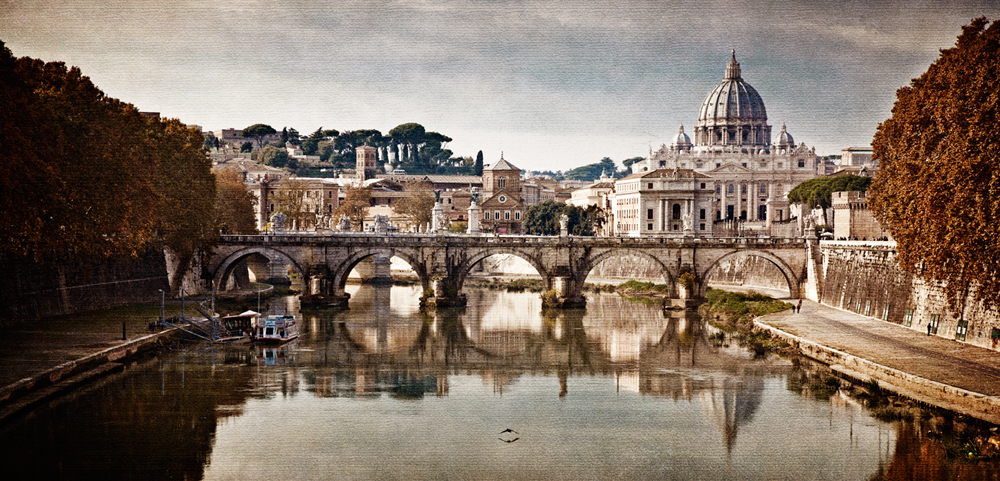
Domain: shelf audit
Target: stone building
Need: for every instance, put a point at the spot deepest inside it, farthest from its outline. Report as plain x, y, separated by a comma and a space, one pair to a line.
733, 149
309, 203
852, 220
502, 208
672, 202
367, 162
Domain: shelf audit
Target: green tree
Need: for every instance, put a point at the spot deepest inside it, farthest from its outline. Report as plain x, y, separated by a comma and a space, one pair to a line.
543, 219
479, 163
234, 204
274, 156
938, 189
246, 147
258, 132
592, 171
818, 192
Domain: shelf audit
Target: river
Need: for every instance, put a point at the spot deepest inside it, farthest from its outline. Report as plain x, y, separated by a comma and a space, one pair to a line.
497, 390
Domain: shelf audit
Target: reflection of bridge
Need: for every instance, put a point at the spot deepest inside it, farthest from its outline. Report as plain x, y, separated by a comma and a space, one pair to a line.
442, 262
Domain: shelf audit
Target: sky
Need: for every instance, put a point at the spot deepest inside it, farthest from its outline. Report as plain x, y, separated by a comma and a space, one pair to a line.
550, 85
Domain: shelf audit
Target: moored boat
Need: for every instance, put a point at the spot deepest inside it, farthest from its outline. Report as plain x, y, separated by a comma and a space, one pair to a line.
276, 329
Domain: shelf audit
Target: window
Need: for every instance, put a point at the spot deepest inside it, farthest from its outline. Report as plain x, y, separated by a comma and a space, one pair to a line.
649, 226
743, 189
649, 214
744, 165
718, 189
517, 215
802, 163
649, 186
486, 214
763, 189
702, 226
701, 214
506, 215
718, 164
676, 212
885, 312
847, 305
908, 318
730, 188
868, 307
932, 325
960, 330
502, 182
702, 185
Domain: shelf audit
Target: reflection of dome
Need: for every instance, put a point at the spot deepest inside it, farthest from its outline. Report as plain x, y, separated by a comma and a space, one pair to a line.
733, 113
733, 404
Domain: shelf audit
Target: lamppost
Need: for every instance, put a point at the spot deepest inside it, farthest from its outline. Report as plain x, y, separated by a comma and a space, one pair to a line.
162, 298
182, 303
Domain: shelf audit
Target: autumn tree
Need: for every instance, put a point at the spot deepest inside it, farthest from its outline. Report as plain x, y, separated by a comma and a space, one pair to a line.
938, 190
355, 205
290, 199
234, 204
417, 204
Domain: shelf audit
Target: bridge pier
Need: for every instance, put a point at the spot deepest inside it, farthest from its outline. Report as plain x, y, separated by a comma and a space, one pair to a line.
446, 293
375, 270
322, 292
570, 292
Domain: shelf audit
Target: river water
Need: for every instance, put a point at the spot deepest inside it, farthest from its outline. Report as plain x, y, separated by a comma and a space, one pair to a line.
497, 390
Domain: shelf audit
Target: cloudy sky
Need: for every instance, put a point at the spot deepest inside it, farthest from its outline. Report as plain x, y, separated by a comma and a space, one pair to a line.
553, 85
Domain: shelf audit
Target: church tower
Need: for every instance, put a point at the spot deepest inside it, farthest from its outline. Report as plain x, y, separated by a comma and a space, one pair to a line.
367, 162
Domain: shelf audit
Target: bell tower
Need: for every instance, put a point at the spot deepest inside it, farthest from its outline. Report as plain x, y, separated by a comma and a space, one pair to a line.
367, 162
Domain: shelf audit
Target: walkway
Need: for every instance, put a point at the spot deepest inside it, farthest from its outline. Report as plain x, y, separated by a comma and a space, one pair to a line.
903, 359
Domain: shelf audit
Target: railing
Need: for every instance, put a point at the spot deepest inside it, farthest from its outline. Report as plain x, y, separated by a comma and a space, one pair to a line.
397, 239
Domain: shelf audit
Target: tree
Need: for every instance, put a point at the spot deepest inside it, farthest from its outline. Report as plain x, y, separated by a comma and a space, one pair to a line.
938, 190
418, 203
592, 171
234, 204
274, 156
258, 132
479, 163
357, 199
543, 219
290, 199
246, 147
818, 192
628, 162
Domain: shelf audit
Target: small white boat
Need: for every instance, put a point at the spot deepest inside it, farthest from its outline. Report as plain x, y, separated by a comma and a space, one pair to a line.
275, 329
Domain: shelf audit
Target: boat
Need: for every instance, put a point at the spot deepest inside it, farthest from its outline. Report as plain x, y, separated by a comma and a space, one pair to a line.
275, 329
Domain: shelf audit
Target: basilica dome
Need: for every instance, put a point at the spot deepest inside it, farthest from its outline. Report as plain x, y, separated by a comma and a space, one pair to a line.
733, 113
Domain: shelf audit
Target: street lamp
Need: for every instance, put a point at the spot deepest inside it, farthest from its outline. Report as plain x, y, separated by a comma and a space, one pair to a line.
162, 298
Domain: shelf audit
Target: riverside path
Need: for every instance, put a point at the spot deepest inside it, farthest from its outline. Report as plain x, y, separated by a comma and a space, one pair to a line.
931, 369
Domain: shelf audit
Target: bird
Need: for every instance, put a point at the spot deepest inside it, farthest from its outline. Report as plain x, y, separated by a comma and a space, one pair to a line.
508, 430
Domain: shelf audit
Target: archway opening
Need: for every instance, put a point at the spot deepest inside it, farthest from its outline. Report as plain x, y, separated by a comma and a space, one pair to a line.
254, 269
619, 268
746, 272
504, 269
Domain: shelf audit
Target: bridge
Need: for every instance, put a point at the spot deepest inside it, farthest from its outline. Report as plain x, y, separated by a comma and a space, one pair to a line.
442, 262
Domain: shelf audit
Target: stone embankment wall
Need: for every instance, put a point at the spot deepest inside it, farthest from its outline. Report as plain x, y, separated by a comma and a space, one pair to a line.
863, 277
29, 290
750, 271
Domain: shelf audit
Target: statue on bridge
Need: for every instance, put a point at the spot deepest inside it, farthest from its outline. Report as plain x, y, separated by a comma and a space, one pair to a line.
344, 224
563, 225
381, 224
278, 222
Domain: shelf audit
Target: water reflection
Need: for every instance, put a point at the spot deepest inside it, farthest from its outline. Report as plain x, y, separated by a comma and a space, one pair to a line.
384, 390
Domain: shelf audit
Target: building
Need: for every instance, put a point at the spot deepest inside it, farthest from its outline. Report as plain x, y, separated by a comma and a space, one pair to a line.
309, 203
733, 149
670, 202
367, 162
852, 220
502, 209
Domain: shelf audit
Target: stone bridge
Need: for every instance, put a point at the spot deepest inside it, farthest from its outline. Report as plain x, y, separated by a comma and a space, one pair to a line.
443, 261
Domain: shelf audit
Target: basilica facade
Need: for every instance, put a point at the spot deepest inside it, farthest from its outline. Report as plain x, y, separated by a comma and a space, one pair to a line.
744, 175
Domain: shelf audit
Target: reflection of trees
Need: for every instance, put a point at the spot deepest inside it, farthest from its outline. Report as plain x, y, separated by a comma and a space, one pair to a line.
157, 421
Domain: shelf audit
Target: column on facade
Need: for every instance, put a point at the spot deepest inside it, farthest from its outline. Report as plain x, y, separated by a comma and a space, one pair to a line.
739, 201
752, 192
722, 207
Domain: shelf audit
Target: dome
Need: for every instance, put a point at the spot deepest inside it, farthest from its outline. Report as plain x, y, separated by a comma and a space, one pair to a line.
681, 140
784, 138
733, 113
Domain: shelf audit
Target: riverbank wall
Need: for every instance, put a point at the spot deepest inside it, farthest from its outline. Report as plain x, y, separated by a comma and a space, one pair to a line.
31, 290
20, 396
863, 278
952, 398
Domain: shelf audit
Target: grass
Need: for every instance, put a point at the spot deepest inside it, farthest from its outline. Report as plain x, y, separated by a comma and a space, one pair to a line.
735, 312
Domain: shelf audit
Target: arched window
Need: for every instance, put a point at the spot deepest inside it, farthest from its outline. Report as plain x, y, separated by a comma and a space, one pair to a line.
502, 183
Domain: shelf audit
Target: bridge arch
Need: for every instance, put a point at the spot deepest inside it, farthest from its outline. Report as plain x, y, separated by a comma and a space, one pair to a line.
593, 261
791, 278
341, 271
462, 269
225, 268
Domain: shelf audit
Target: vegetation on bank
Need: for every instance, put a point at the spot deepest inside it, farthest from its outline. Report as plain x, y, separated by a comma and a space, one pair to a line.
734, 312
